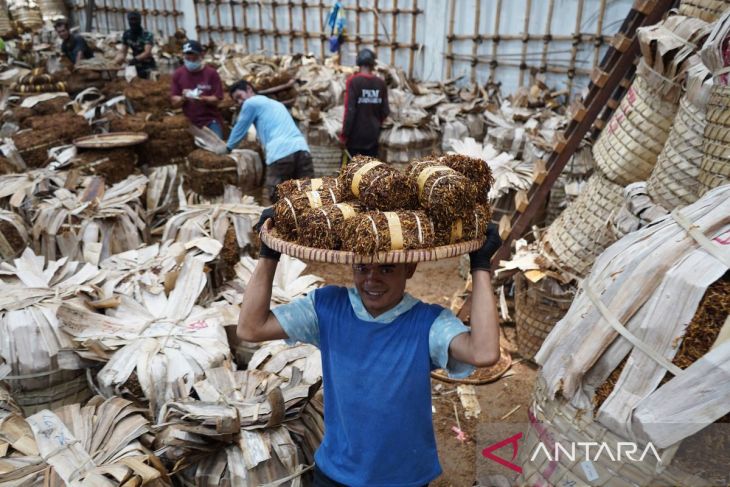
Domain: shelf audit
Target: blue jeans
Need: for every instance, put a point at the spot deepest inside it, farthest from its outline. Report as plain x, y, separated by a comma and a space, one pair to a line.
216, 127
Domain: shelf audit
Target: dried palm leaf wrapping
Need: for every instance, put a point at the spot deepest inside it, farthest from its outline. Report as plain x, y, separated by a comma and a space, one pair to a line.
236, 433
442, 191
378, 231
162, 198
474, 169
96, 444
166, 340
20, 192
322, 227
289, 211
377, 185
43, 372
92, 224
8, 405
292, 186
470, 225
13, 235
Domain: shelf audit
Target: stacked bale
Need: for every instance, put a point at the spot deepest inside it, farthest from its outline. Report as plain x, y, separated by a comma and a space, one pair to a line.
707, 10
46, 132
26, 13
210, 173
170, 142
38, 81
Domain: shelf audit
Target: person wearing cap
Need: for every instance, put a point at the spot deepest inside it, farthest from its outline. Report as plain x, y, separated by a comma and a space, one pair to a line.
366, 106
378, 346
73, 46
287, 152
197, 88
140, 42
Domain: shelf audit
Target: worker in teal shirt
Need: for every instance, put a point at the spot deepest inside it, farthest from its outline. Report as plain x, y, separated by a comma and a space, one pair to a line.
287, 152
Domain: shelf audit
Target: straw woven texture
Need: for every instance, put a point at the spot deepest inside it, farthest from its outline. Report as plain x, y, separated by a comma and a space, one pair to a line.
5, 26
326, 160
582, 231
537, 311
29, 17
63, 387
707, 10
52, 9
714, 170
556, 421
628, 147
673, 182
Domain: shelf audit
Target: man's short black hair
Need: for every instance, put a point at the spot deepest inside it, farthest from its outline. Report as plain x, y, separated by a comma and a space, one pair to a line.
60, 23
242, 85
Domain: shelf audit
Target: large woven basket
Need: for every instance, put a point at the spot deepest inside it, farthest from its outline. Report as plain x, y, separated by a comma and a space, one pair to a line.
5, 25
583, 231
49, 390
28, 16
326, 159
628, 147
52, 10
556, 421
707, 10
538, 307
714, 170
673, 182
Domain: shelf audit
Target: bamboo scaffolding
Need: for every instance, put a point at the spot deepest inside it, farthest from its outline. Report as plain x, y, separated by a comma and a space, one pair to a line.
394, 31
233, 22
306, 26
495, 41
276, 29
525, 39
376, 25
599, 33
322, 37
475, 45
576, 42
261, 25
548, 29
246, 32
291, 27
414, 17
450, 41
357, 26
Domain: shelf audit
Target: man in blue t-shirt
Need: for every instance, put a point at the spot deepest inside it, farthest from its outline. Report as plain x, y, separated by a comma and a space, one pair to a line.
287, 152
378, 347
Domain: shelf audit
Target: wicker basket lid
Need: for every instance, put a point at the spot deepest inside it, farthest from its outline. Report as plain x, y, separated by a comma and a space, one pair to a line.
110, 140
272, 240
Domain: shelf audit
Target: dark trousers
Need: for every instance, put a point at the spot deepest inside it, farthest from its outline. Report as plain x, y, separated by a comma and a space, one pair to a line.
321, 480
372, 152
294, 166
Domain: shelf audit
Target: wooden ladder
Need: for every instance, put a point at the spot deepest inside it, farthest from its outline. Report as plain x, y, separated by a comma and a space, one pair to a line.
608, 84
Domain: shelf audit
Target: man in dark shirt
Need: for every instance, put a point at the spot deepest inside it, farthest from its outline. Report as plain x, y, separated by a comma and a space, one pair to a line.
197, 88
73, 46
366, 106
140, 42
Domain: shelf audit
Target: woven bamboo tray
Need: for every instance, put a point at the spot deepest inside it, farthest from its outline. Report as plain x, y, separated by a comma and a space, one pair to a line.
111, 140
326, 160
628, 147
583, 231
537, 311
482, 375
707, 10
270, 238
556, 421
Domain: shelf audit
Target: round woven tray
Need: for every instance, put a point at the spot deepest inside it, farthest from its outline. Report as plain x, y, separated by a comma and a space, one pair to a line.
111, 140
481, 375
269, 237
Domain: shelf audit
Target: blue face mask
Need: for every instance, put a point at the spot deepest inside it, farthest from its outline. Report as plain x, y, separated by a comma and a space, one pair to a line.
193, 65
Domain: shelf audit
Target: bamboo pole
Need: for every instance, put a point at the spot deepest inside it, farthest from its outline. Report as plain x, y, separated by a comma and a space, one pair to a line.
475, 45
207, 21
261, 25
276, 29
394, 32
450, 41
304, 21
357, 25
495, 41
376, 26
525, 39
174, 15
576, 42
196, 7
323, 37
411, 58
246, 26
291, 26
548, 30
599, 33
217, 8
106, 16
233, 22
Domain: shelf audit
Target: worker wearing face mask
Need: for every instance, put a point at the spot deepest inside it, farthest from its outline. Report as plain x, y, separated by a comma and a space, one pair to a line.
197, 88
140, 42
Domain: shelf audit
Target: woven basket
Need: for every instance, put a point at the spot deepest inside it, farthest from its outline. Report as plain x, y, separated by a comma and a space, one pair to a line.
583, 231
5, 25
326, 160
537, 309
628, 147
62, 387
707, 10
29, 17
52, 10
714, 169
556, 421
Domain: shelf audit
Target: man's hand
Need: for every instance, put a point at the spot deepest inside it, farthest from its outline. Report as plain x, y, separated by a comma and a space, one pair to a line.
481, 259
266, 252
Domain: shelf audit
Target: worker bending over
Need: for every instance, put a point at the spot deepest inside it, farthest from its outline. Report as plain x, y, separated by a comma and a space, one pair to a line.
73, 46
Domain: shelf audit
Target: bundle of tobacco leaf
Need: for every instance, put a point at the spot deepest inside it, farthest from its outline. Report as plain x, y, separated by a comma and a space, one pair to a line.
235, 433
322, 227
471, 225
288, 188
114, 165
210, 173
157, 348
13, 235
476, 170
289, 211
442, 191
33, 146
100, 443
93, 222
376, 231
377, 185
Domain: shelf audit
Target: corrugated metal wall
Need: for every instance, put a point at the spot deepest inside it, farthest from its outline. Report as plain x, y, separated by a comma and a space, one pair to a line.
483, 40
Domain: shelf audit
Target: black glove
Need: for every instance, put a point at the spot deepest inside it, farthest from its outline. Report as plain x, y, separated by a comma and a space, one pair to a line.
266, 252
481, 258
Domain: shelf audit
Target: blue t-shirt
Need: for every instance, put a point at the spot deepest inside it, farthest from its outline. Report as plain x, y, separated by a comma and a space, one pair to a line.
372, 367
274, 126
